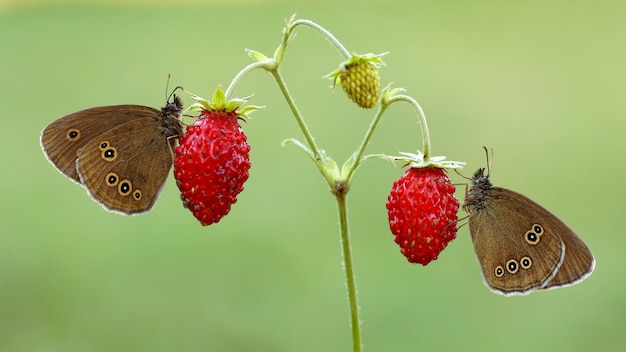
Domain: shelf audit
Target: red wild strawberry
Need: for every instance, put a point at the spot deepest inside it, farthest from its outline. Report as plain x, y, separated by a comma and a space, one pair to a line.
211, 162
422, 213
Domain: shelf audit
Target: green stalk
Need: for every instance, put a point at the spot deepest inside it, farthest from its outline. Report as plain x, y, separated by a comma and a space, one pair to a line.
340, 189
366, 140
355, 321
296, 112
317, 155
321, 30
421, 120
339, 184
241, 74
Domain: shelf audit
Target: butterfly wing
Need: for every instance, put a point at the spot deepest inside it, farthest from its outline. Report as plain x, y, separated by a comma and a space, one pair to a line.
512, 260
578, 263
64, 137
125, 168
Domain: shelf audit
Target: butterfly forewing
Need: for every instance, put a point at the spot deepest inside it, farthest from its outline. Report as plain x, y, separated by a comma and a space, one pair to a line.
520, 245
510, 263
121, 153
578, 262
125, 173
63, 138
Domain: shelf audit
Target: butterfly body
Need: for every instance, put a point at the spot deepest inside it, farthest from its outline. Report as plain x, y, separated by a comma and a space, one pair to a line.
121, 154
521, 246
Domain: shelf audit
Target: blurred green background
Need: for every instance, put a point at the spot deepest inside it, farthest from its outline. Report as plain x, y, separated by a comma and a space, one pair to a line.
541, 82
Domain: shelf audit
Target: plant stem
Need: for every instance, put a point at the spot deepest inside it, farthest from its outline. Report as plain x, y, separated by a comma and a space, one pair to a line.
349, 271
246, 70
366, 140
340, 189
320, 160
340, 185
331, 38
295, 111
421, 120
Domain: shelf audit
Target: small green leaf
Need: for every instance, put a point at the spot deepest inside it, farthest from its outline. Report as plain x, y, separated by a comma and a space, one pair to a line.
350, 165
299, 144
330, 165
419, 160
256, 56
388, 93
219, 102
219, 98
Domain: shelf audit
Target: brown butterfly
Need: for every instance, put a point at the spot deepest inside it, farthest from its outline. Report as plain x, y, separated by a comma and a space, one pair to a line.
121, 154
521, 246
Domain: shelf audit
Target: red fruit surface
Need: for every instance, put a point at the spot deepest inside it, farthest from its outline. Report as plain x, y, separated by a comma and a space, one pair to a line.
422, 210
211, 165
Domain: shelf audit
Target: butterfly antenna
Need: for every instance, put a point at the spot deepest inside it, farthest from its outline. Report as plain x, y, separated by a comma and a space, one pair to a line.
489, 160
167, 84
174, 91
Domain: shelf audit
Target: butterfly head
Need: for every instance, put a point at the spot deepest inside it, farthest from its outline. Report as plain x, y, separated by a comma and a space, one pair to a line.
173, 107
171, 124
475, 197
480, 179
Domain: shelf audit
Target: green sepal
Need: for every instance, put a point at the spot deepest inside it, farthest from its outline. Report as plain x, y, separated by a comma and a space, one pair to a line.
219, 102
299, 144
419, 160
374, 59
350, 165
256, 56
327, 166
388, 93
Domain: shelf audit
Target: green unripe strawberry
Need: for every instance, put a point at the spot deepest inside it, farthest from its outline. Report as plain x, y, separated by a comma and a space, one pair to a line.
361, 82
360, 79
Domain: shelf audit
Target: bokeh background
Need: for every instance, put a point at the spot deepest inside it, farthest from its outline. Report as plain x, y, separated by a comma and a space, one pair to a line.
541, 82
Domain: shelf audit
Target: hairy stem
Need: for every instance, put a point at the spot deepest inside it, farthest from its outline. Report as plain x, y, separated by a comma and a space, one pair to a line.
245, 71
421, 120
366, 140
326, 34
355, 321
296, 112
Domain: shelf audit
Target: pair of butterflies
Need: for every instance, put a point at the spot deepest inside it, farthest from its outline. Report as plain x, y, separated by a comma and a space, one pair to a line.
122, 155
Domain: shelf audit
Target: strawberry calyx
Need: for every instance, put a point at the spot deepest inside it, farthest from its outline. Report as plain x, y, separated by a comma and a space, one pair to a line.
219, 102
419, 160
360, 79
374, 59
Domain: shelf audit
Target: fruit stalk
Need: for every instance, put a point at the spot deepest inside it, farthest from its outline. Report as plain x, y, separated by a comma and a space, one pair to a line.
321, 30
355, 320
366, 139
245, 71
305, 129
340, 194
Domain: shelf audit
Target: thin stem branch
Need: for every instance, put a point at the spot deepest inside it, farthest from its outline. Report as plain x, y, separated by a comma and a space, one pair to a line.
340, 184
296, 113
355, 321
246, 70
340, 191
331, 38
366, 140
421, 121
